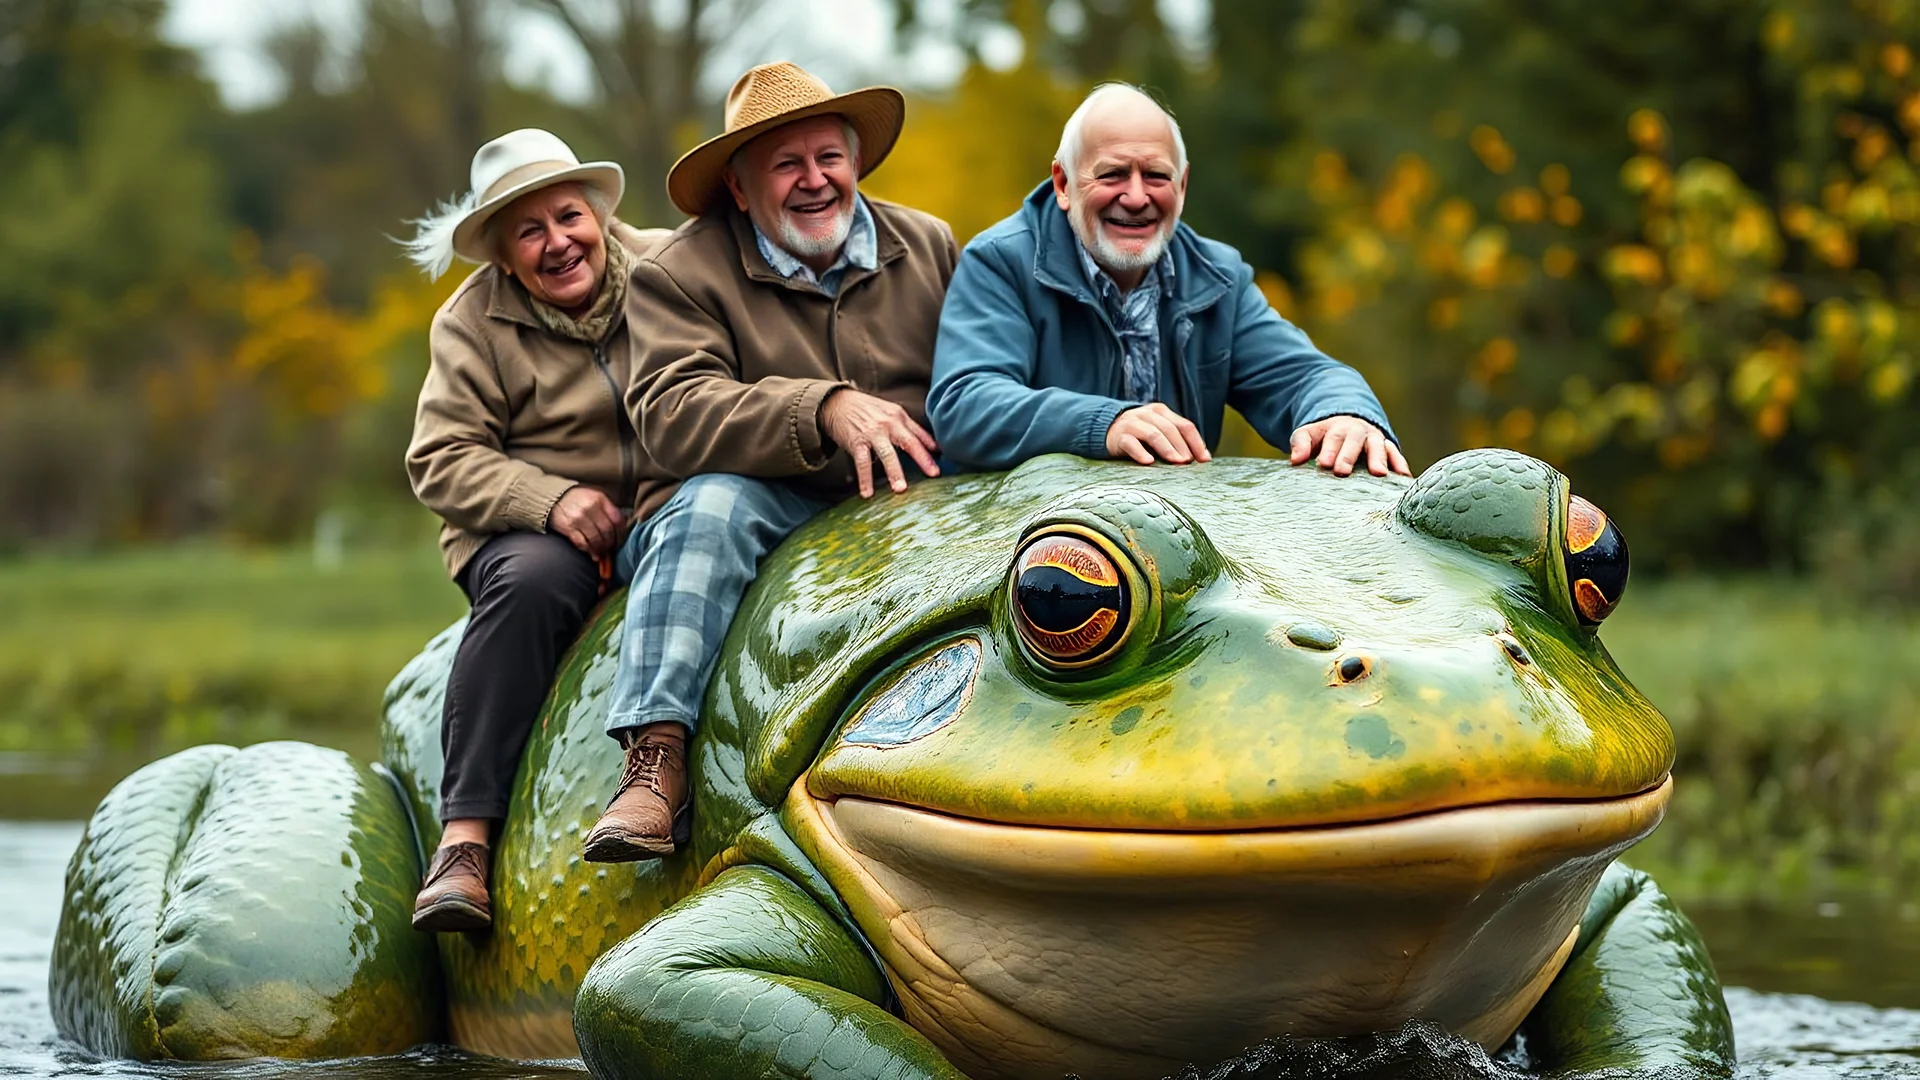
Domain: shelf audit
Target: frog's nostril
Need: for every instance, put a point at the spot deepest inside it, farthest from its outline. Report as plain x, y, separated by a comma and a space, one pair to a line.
1313, 635
1353, 669
1514, 648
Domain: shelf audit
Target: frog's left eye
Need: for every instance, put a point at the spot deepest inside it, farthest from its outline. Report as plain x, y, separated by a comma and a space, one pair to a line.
1069, 600
1596, 560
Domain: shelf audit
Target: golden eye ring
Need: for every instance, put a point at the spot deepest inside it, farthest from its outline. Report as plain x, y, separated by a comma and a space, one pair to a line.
1071, 602
1596, 561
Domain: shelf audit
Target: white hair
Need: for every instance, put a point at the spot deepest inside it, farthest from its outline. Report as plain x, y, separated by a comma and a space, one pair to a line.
1068, 155
846, 126
431, 248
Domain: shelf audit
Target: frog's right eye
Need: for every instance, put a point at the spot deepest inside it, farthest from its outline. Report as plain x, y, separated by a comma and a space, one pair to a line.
1069, 600
1596, 561
1517, 509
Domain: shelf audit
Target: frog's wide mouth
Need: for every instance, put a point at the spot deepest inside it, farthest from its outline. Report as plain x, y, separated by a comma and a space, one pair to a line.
1457, 846
1037, 937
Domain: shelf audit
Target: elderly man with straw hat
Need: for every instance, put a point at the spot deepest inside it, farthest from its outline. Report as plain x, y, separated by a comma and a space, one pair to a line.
523, 446
790, 331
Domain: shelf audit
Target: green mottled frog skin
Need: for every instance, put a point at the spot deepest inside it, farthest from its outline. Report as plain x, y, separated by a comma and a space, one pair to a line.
1084, 767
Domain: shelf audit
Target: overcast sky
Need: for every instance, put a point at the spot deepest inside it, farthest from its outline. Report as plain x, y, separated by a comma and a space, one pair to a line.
843, 40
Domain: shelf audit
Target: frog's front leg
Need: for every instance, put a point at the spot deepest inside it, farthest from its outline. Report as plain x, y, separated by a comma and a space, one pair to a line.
749, 977
1639, 991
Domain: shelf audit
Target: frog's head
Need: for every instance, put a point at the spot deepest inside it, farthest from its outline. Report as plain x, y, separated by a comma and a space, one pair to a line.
1211, 720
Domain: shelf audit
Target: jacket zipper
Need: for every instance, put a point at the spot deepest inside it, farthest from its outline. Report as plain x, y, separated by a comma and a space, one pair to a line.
622, 425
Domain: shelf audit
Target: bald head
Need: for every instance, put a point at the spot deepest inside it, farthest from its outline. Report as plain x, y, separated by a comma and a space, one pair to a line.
1119, 109
1121, 177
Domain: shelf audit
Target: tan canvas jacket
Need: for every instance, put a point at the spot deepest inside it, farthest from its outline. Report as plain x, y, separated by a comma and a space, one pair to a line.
511, 416
735, 359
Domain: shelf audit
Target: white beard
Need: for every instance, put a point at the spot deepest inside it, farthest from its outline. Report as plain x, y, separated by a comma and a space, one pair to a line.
803, 246
1108, 255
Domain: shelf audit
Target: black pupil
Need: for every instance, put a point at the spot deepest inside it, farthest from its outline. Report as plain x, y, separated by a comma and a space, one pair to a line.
1057, 601
1604, 563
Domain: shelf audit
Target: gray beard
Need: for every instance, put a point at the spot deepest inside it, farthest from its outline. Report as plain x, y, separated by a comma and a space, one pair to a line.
1109, 257
803, 246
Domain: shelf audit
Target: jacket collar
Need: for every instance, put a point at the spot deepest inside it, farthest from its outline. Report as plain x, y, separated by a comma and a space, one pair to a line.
1195, 283
887, 244
507, 300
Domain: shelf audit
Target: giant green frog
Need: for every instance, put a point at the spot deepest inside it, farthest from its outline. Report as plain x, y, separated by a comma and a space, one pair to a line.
1083, 768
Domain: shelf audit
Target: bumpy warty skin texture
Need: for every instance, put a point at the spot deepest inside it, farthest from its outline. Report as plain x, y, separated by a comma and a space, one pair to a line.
231, 904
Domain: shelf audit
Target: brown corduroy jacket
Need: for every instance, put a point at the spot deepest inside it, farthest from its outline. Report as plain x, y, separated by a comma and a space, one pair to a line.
734, 360
511, 416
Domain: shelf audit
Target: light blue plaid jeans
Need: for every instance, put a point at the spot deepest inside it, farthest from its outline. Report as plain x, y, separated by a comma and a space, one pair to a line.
689, 566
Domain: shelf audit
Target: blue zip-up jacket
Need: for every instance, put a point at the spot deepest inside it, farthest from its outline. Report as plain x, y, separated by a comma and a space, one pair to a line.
1028, 363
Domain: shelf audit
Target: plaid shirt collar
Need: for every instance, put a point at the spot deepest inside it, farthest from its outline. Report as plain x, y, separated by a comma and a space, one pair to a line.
1108, 290
861, 251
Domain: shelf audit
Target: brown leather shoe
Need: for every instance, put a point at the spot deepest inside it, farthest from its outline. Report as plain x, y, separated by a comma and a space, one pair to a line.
454, 896
650, 815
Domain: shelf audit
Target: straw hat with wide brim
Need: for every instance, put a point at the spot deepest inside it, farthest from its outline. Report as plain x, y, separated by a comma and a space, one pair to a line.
775, 94
519, 162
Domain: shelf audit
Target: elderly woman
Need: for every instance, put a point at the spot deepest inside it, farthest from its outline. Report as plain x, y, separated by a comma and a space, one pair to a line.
522, 445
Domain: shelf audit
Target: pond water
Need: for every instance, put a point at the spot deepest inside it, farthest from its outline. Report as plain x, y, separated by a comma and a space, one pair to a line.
1787, 972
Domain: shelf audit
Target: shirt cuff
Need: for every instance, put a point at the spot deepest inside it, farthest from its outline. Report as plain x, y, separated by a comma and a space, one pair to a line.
809, 443
1091, 440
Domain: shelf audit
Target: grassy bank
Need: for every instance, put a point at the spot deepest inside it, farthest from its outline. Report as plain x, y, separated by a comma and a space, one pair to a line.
148, 651
1798, 719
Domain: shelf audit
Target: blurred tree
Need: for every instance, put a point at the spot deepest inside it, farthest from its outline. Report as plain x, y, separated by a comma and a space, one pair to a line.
1709, 337
109, 205
112, 220
1004, 126
647, 60
1086, 40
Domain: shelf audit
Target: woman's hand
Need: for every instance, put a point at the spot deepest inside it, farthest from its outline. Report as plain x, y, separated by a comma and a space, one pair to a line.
588, 518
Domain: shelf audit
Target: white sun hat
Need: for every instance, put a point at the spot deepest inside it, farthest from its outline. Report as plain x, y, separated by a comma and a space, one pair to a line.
503, 170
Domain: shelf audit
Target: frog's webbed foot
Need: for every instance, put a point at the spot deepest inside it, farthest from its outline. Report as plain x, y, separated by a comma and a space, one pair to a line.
1639, 991
749, 977
249, 903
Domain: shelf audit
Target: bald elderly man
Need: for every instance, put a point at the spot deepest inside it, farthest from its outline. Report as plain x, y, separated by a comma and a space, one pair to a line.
1093, 322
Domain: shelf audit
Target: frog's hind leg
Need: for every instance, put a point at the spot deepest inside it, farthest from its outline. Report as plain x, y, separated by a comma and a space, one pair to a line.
1639, 991
245, 903
747, 977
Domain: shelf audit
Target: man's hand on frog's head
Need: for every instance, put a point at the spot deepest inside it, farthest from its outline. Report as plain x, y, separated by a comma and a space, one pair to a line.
1153, 432
1340, 440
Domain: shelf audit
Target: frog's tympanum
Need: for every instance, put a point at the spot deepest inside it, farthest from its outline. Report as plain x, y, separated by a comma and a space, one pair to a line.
1083, 768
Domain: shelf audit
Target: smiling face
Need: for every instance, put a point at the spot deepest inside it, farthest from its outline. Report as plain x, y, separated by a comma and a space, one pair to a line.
551, 241
797, 184
1124, 191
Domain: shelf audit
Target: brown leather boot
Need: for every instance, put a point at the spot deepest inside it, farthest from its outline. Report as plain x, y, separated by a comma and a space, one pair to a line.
650, 814
454, 896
